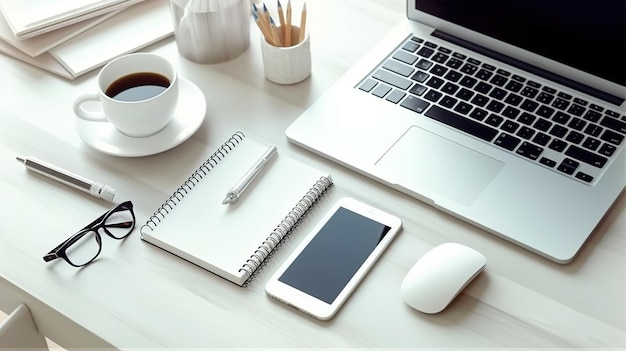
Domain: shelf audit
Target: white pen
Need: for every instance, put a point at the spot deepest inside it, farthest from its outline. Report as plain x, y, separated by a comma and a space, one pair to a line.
96, 189
233, 194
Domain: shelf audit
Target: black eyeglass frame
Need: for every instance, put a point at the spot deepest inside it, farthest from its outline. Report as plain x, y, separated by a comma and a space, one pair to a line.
95, 226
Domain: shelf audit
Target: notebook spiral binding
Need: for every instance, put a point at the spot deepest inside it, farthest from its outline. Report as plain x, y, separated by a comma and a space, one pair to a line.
259, 258
192, 181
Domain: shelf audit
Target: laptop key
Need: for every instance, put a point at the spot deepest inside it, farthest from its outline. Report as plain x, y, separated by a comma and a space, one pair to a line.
499, 80
583, 155
593, 130
459, 122
529, 92
425, 52
424, 64
568, 166
543, 125
513, 86
468, 82
591, 143
561, 118
483, 74
510, 112
529, 150
614, 124
545, 98
513, 99
483, 87
392, 79
435, 82
405, 57
433, 95
510, 126
420, 76
448, 101
558, 145
479, 114
368, 85
440, 57
415, 104
418, 89
381, 90
468, 68
612, 137
607, 150
438, 70
395, 96
399, 68
450, 88
497, 93
560, 103
547, 162
410, 46
480, 100
494, 120
453, 76
507, 141
576, 110
454, 63
529, 105
463, 108
592, 116
465, 94
541, 139
584, 177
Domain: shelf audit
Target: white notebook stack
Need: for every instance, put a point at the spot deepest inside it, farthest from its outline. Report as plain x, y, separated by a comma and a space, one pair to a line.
72, 37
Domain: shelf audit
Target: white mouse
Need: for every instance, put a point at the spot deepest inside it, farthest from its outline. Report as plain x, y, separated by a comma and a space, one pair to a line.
440, 275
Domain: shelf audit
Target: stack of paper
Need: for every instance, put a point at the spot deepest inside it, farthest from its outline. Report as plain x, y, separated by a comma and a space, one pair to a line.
72, 37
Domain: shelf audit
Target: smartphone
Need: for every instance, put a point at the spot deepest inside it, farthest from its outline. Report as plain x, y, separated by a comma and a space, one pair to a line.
326, 267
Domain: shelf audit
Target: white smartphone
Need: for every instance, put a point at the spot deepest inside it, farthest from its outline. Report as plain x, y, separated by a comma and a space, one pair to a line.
326, 267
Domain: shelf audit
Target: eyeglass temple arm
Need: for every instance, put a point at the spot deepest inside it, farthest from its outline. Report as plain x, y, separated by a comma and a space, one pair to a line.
54, 253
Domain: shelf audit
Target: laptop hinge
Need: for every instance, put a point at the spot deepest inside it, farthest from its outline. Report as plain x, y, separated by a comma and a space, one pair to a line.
530, 68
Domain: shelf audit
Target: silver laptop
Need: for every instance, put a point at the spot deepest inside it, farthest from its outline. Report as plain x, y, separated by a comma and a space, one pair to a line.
509, 117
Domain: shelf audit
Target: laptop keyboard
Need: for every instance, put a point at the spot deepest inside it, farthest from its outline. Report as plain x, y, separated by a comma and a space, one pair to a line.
537, 122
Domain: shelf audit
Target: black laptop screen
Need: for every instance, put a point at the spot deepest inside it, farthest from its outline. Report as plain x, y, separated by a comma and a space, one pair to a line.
587, 35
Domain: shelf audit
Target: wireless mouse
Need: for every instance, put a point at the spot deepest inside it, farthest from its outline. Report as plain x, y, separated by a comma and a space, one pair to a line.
440, 275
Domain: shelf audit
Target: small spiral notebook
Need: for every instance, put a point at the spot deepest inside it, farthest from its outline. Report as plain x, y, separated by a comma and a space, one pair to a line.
234, 241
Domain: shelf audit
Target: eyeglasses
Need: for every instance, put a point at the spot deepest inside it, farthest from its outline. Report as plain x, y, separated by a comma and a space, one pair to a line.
83, 247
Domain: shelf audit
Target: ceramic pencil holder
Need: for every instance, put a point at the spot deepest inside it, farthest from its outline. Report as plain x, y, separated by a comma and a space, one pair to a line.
287, 64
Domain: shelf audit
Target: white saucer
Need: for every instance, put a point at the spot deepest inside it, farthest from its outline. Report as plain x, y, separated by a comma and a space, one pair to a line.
188, 117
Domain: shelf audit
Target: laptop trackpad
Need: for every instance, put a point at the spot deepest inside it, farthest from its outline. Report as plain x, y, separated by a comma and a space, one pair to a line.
423, 160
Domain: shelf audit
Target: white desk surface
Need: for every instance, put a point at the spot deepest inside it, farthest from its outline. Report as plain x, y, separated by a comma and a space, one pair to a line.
136, 296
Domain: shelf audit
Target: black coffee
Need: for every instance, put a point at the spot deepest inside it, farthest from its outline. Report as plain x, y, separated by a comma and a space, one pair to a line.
137, 86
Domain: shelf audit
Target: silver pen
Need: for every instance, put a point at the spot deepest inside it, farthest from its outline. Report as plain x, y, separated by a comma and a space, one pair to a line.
233, 193
96, 189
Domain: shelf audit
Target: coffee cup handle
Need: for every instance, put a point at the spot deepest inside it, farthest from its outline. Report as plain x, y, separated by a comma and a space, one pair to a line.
81, 112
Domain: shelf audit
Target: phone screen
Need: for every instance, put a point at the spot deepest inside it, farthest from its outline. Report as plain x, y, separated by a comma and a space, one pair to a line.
334, 255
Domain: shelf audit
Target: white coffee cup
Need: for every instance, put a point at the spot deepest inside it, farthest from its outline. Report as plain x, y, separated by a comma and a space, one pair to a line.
148, 93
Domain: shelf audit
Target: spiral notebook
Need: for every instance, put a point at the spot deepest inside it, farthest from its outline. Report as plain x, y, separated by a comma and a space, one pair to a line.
234, 241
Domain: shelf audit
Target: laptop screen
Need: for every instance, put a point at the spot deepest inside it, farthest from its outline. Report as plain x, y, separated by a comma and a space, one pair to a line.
587, 35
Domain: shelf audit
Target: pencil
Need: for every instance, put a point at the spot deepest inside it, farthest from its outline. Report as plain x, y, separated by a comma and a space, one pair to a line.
281, 16
302, 23
275, 35
265, 31
266, 16
288, 25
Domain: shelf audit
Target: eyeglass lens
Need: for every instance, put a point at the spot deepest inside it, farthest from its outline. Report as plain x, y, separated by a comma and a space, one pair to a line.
84, 249
87, 244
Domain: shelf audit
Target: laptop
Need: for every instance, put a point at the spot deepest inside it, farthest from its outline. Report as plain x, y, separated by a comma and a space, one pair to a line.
510, 116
